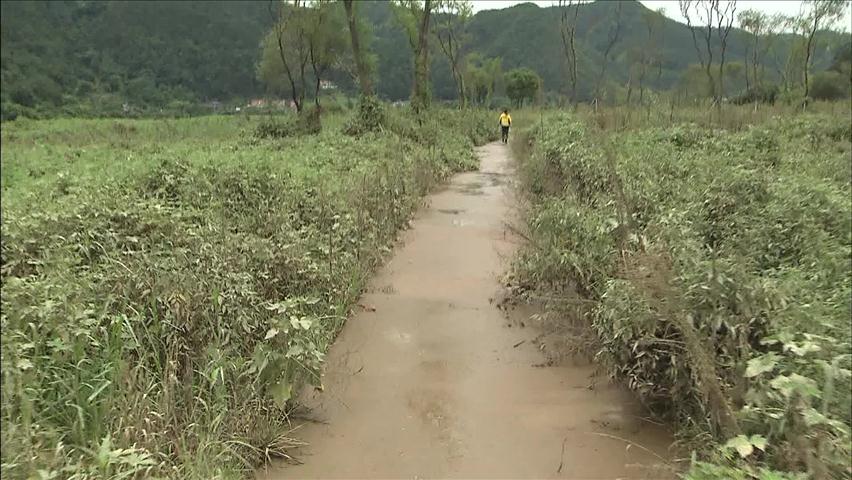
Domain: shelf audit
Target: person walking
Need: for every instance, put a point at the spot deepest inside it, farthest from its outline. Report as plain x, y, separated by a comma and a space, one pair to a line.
505, 123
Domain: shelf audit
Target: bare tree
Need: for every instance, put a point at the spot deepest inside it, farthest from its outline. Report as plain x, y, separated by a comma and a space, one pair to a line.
774, 25
612, 38
450, 31
362, 68
650, 52
697, 11
754, 22
288, 32
725, 14
712, 16
568, 32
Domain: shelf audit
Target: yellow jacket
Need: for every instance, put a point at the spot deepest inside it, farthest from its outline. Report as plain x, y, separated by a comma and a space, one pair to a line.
505, 120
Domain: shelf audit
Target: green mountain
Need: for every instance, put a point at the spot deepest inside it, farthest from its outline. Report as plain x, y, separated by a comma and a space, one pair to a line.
526, 35
85, 57
56, 53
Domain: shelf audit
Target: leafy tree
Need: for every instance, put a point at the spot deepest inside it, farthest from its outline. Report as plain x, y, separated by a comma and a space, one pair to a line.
361, 63
829, 85
735, 75
305, 35
842, 61
326, 42
415, 15
482, 76
694, 84
450, 32
287, 41
88, 57
522, 84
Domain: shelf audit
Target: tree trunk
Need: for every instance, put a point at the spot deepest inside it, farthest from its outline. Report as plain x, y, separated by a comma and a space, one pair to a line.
462, 94
294, 93
420, 93
629, 87
360, 63
745, 63
755, 60
613, 39
808, 48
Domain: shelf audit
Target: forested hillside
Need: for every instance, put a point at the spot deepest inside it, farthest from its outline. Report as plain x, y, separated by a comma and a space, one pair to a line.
89, 57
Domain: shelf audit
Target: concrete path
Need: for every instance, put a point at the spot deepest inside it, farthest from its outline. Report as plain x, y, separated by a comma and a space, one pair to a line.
434, 384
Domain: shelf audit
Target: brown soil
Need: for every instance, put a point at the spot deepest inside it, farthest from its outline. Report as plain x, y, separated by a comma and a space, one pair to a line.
430, 380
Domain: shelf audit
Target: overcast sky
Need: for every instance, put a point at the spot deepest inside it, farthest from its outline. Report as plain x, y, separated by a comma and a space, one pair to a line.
787, 7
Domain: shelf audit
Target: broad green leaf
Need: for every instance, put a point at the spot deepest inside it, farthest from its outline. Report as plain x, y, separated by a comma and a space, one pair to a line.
295, 350
281, 392
104, 450
803, 349
761, 364
758, 441
741, 444
787, 385
271, 333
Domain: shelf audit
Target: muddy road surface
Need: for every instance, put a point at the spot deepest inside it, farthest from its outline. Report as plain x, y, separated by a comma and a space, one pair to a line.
429, 381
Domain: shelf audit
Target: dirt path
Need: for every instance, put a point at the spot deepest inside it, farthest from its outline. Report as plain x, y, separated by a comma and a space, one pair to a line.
432, 385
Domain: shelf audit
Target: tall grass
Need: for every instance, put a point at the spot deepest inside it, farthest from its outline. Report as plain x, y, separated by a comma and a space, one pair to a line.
168, 285
717, 265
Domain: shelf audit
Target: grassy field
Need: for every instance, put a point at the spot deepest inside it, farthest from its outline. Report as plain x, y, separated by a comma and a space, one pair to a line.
714, 265
168, 285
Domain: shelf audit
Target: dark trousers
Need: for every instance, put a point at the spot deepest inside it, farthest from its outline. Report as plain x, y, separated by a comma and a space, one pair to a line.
505, 132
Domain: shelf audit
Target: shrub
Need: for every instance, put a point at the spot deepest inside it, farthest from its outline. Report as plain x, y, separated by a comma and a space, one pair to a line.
761, 94
829, 85
716, 267
370, 117
161, 313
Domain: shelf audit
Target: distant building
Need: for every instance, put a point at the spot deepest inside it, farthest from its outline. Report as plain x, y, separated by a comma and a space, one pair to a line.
257, 103
327, 85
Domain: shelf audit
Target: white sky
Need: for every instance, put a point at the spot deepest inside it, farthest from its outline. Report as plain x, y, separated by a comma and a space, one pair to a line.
787, 7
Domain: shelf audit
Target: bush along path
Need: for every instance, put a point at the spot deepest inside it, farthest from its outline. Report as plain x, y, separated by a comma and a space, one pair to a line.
429, 380
158, 321
715, 269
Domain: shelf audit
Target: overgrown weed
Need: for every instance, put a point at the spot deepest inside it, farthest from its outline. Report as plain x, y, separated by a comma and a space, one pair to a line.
718, 261
159, 315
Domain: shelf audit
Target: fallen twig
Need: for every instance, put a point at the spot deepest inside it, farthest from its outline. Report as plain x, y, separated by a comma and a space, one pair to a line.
562, 456
629, 443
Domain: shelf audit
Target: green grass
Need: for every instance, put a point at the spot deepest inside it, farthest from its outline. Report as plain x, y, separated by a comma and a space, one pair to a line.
697, 243
168, 285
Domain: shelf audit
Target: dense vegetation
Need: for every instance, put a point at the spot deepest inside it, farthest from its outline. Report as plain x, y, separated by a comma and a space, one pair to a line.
168, 283
714, 264
85, 58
